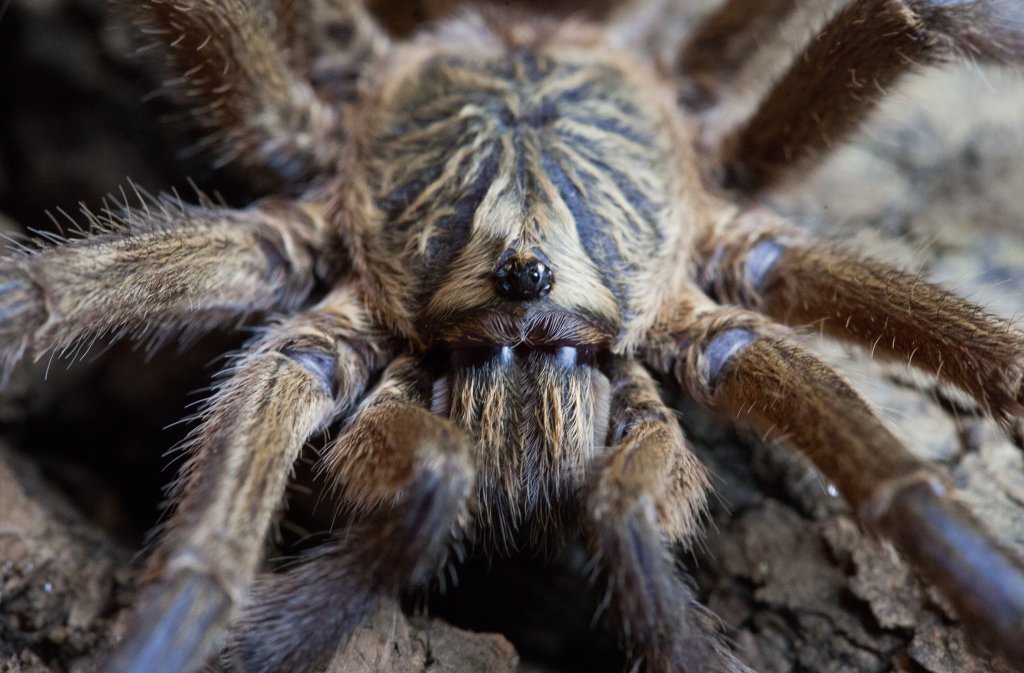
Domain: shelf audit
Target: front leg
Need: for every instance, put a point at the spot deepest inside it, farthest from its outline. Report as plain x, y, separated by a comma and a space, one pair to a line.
649, 494
762, 262
408, 472
295, 380
746, 369
158, 268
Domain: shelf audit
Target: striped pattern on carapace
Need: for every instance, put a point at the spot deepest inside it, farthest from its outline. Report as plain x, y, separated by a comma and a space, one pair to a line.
520, 141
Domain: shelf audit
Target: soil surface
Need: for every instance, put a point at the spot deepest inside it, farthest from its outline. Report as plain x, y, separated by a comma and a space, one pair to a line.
933, 183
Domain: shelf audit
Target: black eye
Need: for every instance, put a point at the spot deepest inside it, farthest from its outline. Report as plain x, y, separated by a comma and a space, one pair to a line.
524, 279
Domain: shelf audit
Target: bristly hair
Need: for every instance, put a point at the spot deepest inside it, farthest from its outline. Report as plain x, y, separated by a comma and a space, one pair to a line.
539, 430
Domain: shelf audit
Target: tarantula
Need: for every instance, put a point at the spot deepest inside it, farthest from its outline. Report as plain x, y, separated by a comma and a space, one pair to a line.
491, 235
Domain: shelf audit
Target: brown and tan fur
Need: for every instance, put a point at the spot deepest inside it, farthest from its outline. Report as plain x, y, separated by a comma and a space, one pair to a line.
506, 409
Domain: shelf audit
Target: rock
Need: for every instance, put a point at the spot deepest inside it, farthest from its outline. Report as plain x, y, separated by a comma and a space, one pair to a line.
60, 576
389, 643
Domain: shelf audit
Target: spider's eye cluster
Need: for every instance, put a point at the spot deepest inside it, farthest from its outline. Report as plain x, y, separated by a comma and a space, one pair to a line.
524, 279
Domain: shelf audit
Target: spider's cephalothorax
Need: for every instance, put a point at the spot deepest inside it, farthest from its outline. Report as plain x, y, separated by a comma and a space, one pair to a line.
539, 146
526, 198
515, 225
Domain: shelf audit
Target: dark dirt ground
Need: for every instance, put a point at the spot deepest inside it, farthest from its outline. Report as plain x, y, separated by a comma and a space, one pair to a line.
935, 183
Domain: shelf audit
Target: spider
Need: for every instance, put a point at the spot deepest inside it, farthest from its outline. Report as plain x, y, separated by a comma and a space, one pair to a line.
488, 237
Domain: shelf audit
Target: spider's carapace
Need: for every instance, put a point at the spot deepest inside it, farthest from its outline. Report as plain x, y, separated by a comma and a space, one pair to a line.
553, 149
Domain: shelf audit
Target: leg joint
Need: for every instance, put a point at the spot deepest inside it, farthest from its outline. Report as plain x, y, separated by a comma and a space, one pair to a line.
721, 349
742, 263
890, 494
712, 347
759, 263
317, 356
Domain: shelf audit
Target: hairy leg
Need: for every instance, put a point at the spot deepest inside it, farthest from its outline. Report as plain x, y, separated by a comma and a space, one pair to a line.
347, 38
395, 441
761, 262
295, 379
158, 269
329, 42
650, 493
409, 473
725, 41
742, 367
844, 71
243, 66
